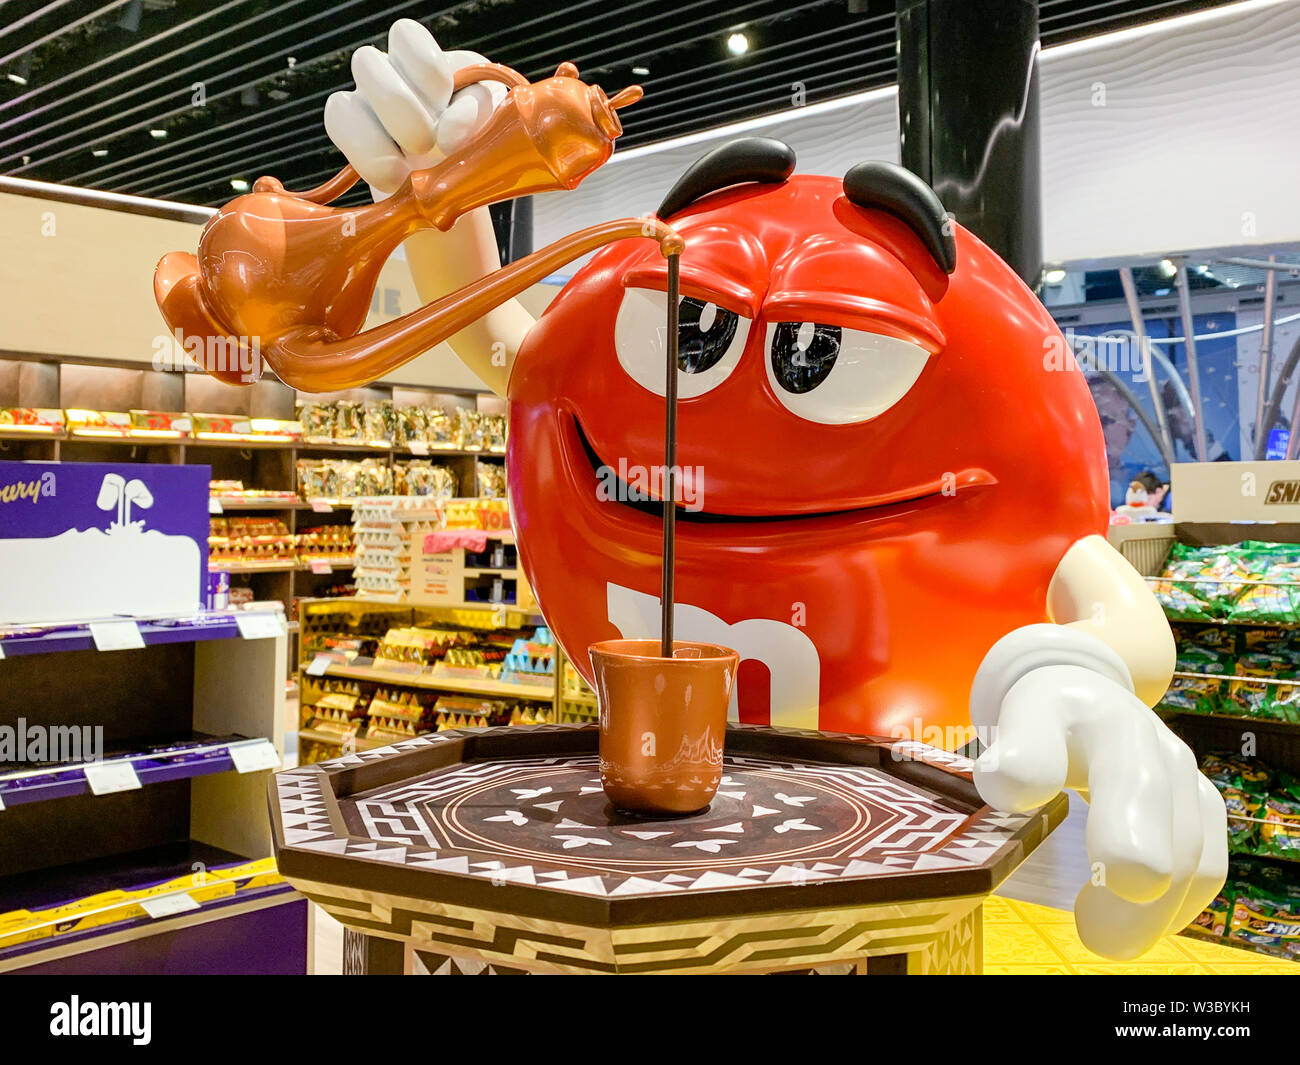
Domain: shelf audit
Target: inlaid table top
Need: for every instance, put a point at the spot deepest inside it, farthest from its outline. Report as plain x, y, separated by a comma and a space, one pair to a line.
514, 820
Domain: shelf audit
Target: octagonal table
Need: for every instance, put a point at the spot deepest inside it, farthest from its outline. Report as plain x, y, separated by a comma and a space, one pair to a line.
495, 851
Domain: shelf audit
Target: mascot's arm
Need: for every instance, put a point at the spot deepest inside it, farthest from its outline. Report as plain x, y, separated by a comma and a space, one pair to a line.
1069, 705
1095, 590
441, 263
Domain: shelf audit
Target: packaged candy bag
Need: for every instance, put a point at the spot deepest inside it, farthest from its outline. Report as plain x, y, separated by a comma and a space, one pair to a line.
1191, 584
1279, 835
1195, 658
472, 435
1266, 920
379, 422
491, 480
1242, 785
1193, 695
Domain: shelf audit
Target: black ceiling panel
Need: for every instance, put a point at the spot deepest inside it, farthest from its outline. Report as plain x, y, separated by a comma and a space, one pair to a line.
176, 98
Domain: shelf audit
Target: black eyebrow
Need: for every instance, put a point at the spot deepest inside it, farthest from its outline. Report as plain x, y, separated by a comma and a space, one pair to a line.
889, 187
737, 162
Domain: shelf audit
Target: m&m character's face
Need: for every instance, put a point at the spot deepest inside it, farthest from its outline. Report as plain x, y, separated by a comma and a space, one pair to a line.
884, 449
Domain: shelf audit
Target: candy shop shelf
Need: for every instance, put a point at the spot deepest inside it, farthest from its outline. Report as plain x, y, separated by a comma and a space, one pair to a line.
1246, 623
359, 742
271, 567
228, 504
446, 684
202, 758
1235, 676
581, 700
1261, 724
76, 635
26, 434
247, 443
131, 871
246, 567
332, 504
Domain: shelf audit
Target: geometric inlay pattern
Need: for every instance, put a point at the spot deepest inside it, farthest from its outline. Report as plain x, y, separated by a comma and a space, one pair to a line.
546, 822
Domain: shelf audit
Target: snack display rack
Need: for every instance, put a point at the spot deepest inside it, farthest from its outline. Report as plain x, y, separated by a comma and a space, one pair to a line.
372, 672
1231, 590
575, 701
138, 841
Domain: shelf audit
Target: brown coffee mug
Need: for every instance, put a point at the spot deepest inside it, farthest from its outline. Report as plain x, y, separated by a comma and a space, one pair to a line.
662, 723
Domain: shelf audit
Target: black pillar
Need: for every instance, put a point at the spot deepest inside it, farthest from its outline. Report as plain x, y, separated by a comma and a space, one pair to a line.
512, 222
968, 113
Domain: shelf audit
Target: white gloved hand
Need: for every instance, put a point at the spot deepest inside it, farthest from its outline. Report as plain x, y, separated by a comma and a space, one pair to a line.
1060, 706
402, 115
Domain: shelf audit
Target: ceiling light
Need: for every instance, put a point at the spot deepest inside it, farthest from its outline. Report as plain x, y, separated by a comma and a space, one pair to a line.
239, 184
1167, 268
1054, 276
99, 153
17, 79
158, 134
738, 44
641, 72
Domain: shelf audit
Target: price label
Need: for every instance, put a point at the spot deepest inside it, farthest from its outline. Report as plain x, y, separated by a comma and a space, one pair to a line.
259, 626
321, 507
252, 757
320, 568
105, 778
418, 447
215, 507
169, 905
318, 666
116, 635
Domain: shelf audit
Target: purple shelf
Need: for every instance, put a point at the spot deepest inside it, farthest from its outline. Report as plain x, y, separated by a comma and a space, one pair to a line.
198, 759
74, 636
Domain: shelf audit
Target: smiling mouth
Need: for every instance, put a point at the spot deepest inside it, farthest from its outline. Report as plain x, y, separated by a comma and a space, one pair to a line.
941, 487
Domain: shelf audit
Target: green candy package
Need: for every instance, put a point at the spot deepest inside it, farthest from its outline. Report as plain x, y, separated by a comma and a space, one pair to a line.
1243, 785
1193, 695
1199, 658
1279, 833
1267, 920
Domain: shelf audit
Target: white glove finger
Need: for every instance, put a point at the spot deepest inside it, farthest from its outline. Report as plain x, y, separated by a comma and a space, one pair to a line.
1119, 928
1187, 833
1026, 763
1212, 869
1116, 928
1115, 738
470, 108
423, 65
403, 115
359, 135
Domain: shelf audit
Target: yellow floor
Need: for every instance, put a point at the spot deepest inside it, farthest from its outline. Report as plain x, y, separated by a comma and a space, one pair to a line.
1023, 939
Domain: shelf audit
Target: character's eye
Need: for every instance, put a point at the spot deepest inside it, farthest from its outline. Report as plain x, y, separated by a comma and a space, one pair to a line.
833, 375
710, 339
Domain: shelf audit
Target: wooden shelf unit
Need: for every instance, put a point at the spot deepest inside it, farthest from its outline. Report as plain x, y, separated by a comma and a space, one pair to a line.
266, 465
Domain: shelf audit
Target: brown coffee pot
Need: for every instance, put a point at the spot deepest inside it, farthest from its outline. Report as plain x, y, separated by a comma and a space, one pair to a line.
294, 277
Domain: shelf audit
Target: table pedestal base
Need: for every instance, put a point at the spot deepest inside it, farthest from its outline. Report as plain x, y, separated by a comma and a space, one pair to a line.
958, 951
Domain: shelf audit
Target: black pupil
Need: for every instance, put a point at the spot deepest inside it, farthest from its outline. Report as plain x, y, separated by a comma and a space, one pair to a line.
803, 354
700, 348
